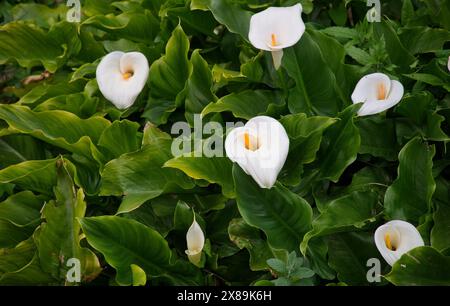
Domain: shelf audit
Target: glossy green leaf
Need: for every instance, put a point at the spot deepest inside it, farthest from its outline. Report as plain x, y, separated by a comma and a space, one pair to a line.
59, 235
22, 208
31, 46
119, 138
440, 239
314, 92
396, 51
340, 146
59, 128
20, 266
142, 175
247, 104
124, 242
42, 15
167, 77
234, 18
139, 26
424, 39
215, 170
17, 148
378, 137
349, 255
198, 87
422, 266
355, 210
414, 173
245, 236
305, 136
38, 176
282, 215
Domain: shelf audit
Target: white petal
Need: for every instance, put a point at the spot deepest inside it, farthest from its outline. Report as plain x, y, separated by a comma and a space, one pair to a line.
266, 162
122, 92
195, 239
409, 239
374, 106
366, 88
284, 22
448, 64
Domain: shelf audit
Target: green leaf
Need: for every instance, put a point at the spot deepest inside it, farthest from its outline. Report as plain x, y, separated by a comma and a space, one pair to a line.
407, 12
57, 88
440, 239
167, 78
351, 211
119, 138
430, 79
215, 170
245, 236
398, 54
42, 15
424, 39
59, 128
340, 32
349, 254
340, 146
36, 175
305, 136
233, 17
124, 242
30, 46
20, 266
17, 148
282, 215
59, 235
136, 26
314, 92
243, 105
378, 137
422, 266
139, 276
198, 87
21, 208
141, 175
420, 109
11, 235
359, 55
414, 173
278, 265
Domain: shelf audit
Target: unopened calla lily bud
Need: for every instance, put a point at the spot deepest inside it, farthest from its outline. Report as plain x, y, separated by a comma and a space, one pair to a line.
195, 241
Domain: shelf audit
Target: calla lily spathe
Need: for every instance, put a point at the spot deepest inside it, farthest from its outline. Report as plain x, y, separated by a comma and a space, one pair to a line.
260, 148
396, 238
122, 76
276, 28
378, 93
195, 240
448, 64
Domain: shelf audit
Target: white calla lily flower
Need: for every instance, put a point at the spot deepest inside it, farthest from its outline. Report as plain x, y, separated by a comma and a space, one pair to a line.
276, 28
396, 238
195, 241
122, 76
260, 148
378, 93
448, 63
